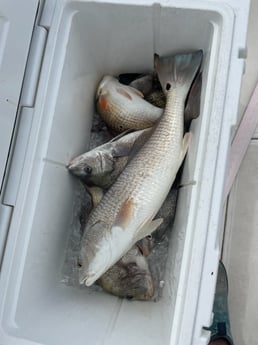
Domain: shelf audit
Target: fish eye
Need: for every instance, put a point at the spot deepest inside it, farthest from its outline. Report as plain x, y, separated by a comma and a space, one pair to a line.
79, 264
149, 237
168, 86
88, 170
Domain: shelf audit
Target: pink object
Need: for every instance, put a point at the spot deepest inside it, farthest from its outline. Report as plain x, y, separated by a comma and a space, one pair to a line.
241, 140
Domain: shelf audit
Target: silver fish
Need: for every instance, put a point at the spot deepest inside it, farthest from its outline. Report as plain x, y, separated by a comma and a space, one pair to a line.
101, 165
122, 107
126, 212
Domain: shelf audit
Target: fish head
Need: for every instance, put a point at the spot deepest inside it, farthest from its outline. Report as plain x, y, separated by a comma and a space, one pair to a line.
101, 247
104, 86
95, 255
91, 165
91, 264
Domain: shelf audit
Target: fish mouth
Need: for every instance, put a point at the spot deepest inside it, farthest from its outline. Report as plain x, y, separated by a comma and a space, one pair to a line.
71, 166
75, 169
102, 90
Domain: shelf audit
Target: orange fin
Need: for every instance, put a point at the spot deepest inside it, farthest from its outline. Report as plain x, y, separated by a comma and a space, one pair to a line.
125, 214
123, 93
103, 102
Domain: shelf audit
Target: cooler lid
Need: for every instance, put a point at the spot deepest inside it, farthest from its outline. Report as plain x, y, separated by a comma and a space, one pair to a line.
16, 25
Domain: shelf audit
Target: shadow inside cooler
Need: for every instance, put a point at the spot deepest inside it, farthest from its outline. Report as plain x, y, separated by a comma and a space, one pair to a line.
94, 40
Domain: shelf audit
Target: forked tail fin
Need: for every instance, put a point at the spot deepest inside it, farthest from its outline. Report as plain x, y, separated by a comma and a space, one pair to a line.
178, 71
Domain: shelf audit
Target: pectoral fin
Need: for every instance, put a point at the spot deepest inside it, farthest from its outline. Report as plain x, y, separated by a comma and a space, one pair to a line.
124, 93
136, 91
96, 194
147, 229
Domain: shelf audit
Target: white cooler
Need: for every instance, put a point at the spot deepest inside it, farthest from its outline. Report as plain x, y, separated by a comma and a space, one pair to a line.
53, 53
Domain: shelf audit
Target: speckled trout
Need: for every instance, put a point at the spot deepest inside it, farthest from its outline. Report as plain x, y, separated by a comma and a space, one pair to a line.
126, 213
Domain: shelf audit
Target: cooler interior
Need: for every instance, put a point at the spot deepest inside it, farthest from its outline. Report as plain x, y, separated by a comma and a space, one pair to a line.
95, 39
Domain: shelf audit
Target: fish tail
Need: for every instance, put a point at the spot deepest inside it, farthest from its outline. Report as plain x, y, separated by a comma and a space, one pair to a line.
178, 71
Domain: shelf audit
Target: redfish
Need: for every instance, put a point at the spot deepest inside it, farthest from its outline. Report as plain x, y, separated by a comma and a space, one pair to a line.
122, 107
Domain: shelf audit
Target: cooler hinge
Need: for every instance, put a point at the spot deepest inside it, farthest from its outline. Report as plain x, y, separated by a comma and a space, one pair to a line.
22, 127
5, 219
33, 67
15, 166
46, 12
25, 116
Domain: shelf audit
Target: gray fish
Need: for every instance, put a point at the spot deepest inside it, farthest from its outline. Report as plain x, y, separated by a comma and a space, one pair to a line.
102, 165
129, 278
126, 212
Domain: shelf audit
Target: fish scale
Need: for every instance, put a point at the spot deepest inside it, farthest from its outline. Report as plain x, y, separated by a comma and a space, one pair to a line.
128, 120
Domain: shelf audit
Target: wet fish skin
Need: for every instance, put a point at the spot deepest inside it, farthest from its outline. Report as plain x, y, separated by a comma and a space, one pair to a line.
122, 107
126, 212
153, 93
103, 164
129, 278
166, 212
